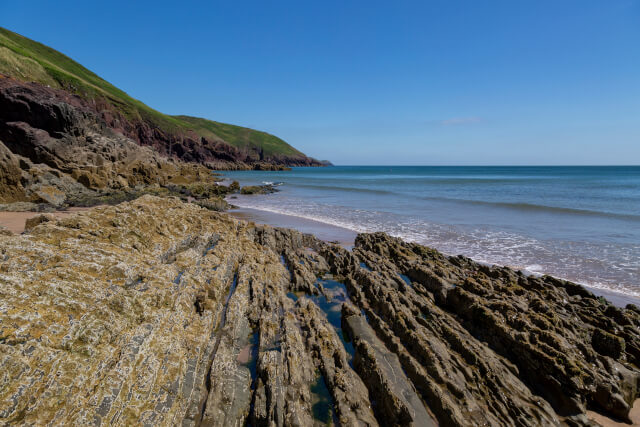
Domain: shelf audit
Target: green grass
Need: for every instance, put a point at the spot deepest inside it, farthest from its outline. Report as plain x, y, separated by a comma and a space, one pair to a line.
28, 60
239, 136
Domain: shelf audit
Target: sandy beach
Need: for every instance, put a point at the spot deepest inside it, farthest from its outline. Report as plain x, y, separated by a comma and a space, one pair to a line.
14, 221
604, 421
326, 232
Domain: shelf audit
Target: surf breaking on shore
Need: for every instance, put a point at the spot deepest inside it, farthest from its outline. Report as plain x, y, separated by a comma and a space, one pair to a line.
496, 249
580, 223
335, 231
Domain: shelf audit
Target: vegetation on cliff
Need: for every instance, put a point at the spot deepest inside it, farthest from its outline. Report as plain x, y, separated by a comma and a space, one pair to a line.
28, 60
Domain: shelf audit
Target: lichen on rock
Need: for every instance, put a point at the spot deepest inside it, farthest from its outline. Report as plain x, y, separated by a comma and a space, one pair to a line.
160, 312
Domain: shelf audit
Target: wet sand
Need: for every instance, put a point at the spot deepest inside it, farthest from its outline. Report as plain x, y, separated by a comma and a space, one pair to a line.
14, 221
615, 298
346, 238
634, 414
326, 232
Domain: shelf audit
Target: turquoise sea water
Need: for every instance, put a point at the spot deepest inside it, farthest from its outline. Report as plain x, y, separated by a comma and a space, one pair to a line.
579, 223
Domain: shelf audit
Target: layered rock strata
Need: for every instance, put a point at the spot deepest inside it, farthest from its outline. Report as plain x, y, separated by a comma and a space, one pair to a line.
159, 312
31, 115
56, 149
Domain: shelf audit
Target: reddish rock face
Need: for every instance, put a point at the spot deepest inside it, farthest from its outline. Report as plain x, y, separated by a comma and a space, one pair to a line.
55, 148
57, 111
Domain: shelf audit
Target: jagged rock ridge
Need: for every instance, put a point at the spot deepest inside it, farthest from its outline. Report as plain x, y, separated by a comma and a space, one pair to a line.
159, 312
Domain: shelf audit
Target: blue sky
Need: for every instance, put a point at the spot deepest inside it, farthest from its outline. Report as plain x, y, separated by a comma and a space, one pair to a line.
425, 82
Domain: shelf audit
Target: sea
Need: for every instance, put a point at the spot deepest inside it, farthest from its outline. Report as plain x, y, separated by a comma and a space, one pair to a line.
577, 223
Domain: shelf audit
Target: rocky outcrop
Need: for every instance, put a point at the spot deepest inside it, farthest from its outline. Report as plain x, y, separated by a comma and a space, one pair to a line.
258, 189
465, 330
37, 184
50, 126
62, 131
56, 151
160, 312
11, 189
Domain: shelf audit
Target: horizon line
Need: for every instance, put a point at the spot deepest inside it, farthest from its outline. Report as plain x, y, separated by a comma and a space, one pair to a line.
485, 165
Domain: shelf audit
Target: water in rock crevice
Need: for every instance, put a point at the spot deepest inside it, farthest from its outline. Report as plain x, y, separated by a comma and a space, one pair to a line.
332, 308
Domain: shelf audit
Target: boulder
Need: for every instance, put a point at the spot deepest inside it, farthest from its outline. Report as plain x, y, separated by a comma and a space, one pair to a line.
214, 204
37, 220
258, 189
48, 194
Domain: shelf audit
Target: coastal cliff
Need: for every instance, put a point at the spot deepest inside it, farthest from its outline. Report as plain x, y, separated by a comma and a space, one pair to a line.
160, 312
64, 128
54, 148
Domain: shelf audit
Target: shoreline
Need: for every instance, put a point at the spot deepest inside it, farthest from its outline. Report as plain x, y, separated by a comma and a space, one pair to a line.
327, 232
345, 237
200, 278
15, 223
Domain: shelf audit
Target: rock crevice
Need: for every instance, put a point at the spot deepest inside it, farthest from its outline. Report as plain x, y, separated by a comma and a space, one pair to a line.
160, 312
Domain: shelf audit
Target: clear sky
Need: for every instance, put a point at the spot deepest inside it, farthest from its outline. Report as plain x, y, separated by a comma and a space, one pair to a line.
395, 82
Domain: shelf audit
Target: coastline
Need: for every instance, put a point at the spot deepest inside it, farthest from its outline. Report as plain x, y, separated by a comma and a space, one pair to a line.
321, 230
134, 292
15, 222
345, 237
168, 274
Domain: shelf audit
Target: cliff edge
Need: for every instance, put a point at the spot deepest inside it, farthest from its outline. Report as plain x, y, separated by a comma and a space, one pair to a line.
56, 113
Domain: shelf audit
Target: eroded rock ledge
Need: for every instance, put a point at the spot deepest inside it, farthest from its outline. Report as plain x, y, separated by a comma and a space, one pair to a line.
159, 312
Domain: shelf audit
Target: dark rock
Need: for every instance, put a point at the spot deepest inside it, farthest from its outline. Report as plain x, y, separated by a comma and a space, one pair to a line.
58, 149
258, 189
607, 344
261, 166
529, 322
40, 112
397, 401
37, 220
214, 204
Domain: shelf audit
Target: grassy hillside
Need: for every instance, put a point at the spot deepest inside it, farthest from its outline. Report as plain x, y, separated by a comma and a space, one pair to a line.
28, 60
240, 136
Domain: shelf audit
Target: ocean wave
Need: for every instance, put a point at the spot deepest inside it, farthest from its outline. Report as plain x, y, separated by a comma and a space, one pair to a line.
532, 207
345, 189
519, 206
